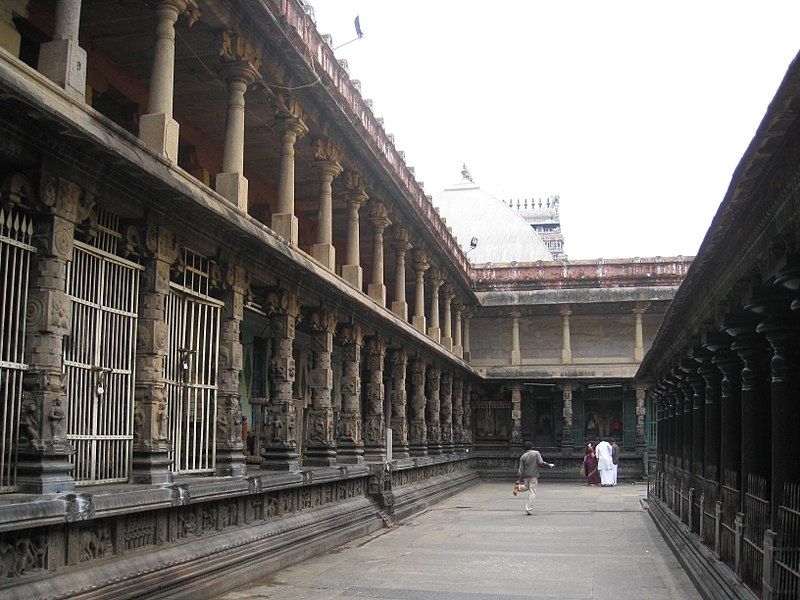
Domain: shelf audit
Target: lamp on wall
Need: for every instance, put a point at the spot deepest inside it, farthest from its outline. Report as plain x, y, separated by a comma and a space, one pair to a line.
472, 243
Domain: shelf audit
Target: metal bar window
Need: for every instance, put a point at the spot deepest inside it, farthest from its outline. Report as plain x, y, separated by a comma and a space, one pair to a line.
98, 358
16, 230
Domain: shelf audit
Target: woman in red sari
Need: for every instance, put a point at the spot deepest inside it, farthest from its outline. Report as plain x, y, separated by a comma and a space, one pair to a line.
590, 468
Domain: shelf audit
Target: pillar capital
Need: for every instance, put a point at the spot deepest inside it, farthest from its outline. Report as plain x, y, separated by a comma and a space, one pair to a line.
322, 320
325, 151
291, 126
401, 239
379, 215
354, 184
420, 260
238, 55
435, 278
186, 8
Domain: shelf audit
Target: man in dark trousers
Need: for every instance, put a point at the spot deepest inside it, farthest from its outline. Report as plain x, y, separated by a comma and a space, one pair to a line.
528, 474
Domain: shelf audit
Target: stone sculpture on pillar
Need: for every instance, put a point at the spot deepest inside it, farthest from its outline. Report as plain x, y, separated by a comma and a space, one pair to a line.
350, 441
321, 441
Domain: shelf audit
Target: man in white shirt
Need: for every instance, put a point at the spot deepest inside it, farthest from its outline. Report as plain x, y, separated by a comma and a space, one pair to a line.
605, 463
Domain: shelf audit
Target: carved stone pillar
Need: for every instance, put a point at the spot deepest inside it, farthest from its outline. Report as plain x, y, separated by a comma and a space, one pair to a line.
638, 311
151, 443
458, 346
350, 441
458, 416
566, 396
516, 417
687, 403
418, 440
446, 411
698, 386
401, 246
420, 266
284, 222
321, 441
240, 69
641, 416
157, 129
62, 60
566, 338
43, 459
230, 446
374, 425
399, 420
326, 157
280, 444
432, 410
435, 279
352, 272
468, 415
516, 354
380, 221
447, 317
730, 409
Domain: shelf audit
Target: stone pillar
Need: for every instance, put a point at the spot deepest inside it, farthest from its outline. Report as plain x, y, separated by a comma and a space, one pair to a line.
399, 420
458, 416
401, 246
567, 439
326, 161
151, 443
432, 410
516, 418
350, 441
687, 402
435, 279
458, 347
566, 340
10, 39
280, 443
446, 411
418, 441
753, 351
447, 317
240, 69
284, 222
781, 330
62, 60
374, 425
711, 437
352, 272
157, 129
230, 446
467, 313
467, 416
321, 442
641, 415
638, 311
43, 460
516, 354
730, 410
378, 216
420, 266
698, 386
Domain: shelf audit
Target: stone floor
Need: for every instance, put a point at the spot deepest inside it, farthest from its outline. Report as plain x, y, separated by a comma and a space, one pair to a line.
581, 543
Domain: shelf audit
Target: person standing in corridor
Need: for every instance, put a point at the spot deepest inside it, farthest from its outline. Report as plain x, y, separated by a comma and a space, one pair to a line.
528, 474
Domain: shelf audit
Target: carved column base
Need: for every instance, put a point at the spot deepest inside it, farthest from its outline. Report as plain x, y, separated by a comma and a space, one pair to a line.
231, 461
435, 333
400, 308
279, 459
447, 342
325, 254
64, 62
566, 438
377, 291
419, 323
285, 225
152, 466
418, 443
233, 187
399, 441
41, 474
160, 133
458, 350
354, 275
320, 456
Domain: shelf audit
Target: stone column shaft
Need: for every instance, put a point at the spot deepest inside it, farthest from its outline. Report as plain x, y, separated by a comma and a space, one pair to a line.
323, 250
516, 417
401, 246
374, 425
378, 216
638, 338
516, 354
418, 440
62, 60
433, 410
567, 439
420, 266
458, 347
458, 416
399, 420
350, 438
434, 331
446, 412
566, 341
321, 439
284, 221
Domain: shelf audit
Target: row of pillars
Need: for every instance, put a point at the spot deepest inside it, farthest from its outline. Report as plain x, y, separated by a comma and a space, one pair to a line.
728, 409
63, 61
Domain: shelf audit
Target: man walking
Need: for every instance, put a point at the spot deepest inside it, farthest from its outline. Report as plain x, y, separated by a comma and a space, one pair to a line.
605, 463
615, 458
528, 474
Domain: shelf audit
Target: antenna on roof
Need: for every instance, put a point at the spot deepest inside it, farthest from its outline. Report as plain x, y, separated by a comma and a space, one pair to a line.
359, 33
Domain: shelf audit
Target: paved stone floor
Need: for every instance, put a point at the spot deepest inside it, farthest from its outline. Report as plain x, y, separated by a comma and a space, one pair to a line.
580, 543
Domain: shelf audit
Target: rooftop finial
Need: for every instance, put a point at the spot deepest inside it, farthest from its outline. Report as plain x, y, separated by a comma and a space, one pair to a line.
465, 173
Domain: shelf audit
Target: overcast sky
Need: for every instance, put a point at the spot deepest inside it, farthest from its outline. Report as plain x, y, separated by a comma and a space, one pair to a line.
634, 112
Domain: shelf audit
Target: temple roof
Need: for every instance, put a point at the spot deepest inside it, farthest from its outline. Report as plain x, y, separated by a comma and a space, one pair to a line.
503, 236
